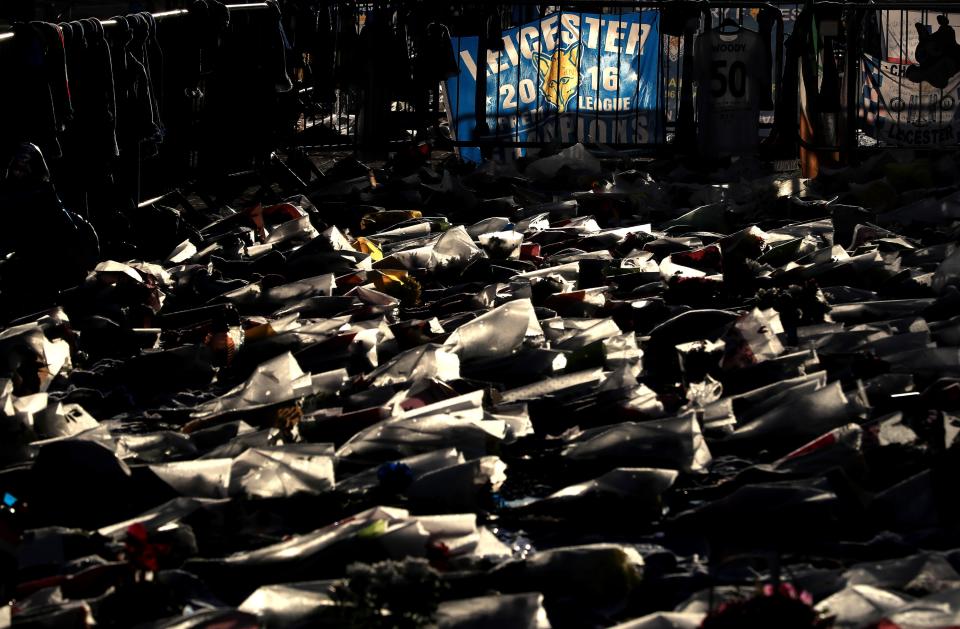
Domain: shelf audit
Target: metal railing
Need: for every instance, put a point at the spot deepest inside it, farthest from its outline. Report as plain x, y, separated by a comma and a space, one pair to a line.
915, 116
186, 147
354, 91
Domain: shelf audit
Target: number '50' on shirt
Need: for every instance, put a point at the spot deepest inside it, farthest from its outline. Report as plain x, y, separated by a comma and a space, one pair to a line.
730, 70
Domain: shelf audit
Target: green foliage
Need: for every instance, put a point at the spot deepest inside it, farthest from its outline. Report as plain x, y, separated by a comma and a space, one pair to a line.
390, 594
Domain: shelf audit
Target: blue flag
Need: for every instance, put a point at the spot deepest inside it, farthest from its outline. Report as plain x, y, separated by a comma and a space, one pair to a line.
570, 76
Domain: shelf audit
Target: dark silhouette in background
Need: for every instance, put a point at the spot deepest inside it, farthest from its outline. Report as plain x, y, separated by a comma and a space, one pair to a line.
937, 55
44, 247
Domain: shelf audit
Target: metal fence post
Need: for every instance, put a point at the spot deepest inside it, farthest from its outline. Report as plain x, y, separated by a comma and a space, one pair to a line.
853, 83
482, 129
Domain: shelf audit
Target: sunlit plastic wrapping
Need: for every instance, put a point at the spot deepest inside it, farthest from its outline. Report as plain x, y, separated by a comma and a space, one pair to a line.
927, 210
120, 275
425, 361
689, 326
757, 513
753, 339
597, 574
157, 447
928, 361
51, 419
565, 383
930, 612
924, 572
204, 478
569, 272
453, 250
283, 471
793, 417
782, 253
99, 434
572, 333
320, 307
577, 255
164, 515
516, 416
946, 332
383, 532
836, 447
580, 303
413, 468
228, 440
821, 230
665, 620
877, 310
523, 611
947, 273
357, 345
533, 222
374, 302
332, 257
679, 266
463, 486
182, 253
303, 604
621, 490
52, 357
500, 245
861, 605
673, 443
575, 160
211, 617
58, 614
495, 334
27, 422
700, 359
278, 380
622, 351
490, 225
297, 229
710, 217
293, 292
662, 389
404, 233
456, 423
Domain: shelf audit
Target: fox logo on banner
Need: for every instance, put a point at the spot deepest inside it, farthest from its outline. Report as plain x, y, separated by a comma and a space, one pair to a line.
898, 110
559, 75
568, 77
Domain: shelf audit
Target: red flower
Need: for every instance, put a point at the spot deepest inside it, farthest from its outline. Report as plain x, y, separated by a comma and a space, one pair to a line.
142, 553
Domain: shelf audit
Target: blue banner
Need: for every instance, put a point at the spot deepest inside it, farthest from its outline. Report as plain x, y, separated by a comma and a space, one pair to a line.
570, 76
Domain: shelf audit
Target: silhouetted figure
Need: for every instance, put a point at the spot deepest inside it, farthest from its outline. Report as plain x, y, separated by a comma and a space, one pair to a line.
937, 54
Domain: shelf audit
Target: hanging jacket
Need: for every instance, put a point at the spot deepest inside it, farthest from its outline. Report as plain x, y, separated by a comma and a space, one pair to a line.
321, 47
346, 65
276, 48
55, 70
98, 118
135, 109
90, 140
31, 101
769, 21
154, 64
151, 127
436, 60
382, 55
